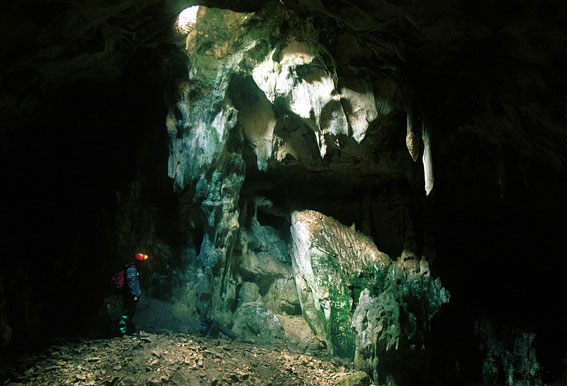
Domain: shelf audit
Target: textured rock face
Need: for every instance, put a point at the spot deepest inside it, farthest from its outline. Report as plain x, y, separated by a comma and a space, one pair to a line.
5, 329
269, 75
253, 321
259, 87
254, 85
361, 302
329, 259
295, 73
392, 326
359, 378
510, 358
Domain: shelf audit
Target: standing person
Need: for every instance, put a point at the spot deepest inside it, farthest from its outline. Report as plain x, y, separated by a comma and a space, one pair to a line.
132, 293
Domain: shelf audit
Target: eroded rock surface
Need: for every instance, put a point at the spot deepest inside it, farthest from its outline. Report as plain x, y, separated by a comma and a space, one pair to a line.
364, 304
509, 357
329, 259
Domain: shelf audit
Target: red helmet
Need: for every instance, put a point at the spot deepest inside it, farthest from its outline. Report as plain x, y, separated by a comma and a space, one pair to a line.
141, 257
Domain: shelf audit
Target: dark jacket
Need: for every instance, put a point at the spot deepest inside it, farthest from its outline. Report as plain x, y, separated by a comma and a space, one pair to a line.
131, 281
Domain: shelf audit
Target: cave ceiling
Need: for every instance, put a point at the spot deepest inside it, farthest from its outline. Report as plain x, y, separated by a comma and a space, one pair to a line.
489, 71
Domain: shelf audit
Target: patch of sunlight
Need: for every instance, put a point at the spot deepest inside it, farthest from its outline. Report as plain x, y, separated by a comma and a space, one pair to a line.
186, 20
296, 52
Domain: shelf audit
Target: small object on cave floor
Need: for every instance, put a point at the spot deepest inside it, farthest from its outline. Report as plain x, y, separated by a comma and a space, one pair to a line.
211, 327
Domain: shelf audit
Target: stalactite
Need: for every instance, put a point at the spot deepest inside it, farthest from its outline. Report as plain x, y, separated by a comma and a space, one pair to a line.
427, 159
411, 139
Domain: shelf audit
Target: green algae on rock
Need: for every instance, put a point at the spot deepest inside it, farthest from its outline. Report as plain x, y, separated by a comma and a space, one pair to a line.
354, 296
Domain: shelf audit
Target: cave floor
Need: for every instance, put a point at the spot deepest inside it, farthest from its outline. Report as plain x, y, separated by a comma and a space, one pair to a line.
171, 359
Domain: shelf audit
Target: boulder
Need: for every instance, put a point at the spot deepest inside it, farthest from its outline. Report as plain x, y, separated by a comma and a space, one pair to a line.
282, 297
332, 262
358, 378
252, 320
364, 305
248, 293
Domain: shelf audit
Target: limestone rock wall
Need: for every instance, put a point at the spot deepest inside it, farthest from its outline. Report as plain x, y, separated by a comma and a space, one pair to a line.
5, 329
259, 94
263, 110
329, 260
364, 304
509, 358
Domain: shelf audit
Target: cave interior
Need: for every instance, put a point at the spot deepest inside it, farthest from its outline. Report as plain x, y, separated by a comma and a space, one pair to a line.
87, 90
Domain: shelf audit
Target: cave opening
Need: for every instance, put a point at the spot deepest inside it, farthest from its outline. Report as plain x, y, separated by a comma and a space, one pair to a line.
187, 19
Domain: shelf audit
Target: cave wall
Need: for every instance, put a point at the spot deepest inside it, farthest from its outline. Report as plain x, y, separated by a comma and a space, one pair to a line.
87, 91
84, 183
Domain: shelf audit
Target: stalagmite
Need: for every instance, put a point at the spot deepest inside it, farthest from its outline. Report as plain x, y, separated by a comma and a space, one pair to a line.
427, 160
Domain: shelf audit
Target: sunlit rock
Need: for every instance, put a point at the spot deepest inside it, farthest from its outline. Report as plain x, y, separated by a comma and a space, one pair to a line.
257, 118
282, 99
357, 99
186, 20
329, 261
427, 160
200, 121
300, 78
357, 299
203, 143
412, 140
298, 75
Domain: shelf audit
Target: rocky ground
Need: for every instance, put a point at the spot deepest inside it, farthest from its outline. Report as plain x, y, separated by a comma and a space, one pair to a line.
172, 359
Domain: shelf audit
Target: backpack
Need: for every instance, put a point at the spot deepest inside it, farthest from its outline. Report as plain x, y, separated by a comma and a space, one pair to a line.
118, 280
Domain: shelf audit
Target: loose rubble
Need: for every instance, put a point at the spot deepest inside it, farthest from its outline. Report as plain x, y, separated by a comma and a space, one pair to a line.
170, 359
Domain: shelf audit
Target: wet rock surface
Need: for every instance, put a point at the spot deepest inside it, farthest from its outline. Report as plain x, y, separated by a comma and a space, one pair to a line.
170, 359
